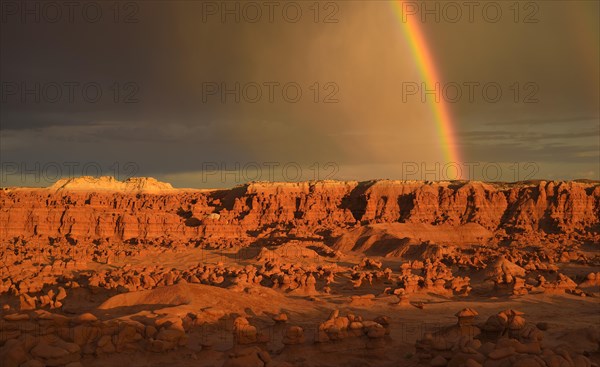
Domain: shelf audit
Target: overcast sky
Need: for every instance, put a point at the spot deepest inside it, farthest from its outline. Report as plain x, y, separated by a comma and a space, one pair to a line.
149, 88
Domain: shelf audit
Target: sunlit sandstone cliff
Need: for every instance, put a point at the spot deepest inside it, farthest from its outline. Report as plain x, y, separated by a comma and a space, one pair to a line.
144, 209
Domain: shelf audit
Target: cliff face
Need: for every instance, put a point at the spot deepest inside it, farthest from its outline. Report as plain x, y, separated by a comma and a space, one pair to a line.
304, 209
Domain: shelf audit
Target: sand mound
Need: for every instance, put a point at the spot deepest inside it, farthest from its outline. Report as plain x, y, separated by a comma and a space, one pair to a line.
194, 297
395, 239
171, 295
109, 183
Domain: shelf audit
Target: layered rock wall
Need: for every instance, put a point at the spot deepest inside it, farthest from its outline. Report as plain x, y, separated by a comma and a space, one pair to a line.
304, 208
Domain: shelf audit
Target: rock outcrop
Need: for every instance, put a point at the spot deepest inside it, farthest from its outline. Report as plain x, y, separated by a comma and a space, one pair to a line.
145, 209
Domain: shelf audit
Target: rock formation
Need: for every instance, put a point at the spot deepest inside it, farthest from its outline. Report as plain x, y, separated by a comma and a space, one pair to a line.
144, 209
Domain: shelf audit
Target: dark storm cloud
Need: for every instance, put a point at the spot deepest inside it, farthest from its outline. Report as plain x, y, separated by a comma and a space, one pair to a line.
565, 140
529, 137
548, 154
587, 120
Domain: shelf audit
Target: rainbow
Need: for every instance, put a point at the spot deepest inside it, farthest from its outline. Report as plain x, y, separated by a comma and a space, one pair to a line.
430, 76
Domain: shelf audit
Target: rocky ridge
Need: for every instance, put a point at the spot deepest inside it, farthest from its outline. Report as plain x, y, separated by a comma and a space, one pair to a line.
146, 209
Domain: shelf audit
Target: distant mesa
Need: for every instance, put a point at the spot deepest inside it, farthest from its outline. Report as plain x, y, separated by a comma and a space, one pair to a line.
109, 183
361, 188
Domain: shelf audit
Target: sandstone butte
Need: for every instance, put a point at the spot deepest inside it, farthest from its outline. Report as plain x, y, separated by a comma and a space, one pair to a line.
144, 209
